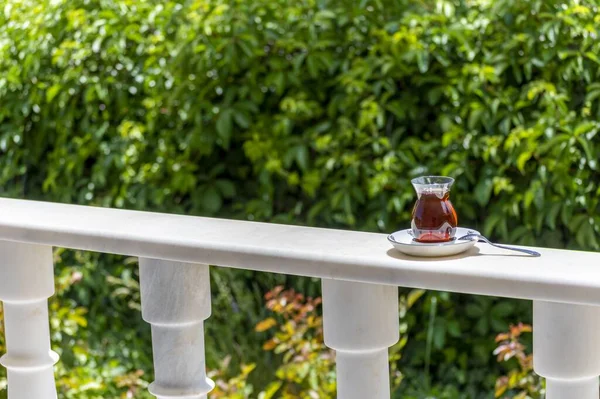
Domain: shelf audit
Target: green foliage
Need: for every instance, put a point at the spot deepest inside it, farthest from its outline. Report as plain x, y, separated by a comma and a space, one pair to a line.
307, 365
312, 112
227, 387
521, 382
450, 344
201, 108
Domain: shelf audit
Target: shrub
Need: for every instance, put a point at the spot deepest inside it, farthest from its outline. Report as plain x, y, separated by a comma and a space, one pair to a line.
521, 381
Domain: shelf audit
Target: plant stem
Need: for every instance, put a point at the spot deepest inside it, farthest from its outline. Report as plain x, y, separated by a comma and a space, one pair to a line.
432, 314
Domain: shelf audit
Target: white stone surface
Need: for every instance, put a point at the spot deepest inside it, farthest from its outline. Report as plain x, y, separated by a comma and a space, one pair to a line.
565, 349
360, 322
174, 292
26, 281
363, 375
176, 301
571, 389
26, 272
558, 275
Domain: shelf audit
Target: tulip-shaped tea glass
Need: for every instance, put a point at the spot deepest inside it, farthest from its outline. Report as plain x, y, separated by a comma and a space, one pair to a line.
434, 218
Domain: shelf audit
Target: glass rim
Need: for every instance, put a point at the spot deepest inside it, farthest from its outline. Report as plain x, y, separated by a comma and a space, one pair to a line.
432, 180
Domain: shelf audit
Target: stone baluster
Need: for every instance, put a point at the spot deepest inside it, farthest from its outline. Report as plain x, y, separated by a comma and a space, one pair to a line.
360, 322
26, 283
566, 349
176, 301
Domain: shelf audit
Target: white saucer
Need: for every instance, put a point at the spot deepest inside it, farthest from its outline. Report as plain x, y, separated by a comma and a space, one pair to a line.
404, 242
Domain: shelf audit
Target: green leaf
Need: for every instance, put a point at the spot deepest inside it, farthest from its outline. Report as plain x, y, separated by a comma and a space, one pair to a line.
226, 187
52, 92
592, 57
585, 235
538, 196
566, 212
528, 199
576, 222
453, 327
483, 191
474, 310
396, 108
504, 125
482, 326
242, 119
518, 233
592, 95
552, 214
312, 66
326, 14
475, 117
302, 157
439, 334
491, 221
265, 324
413, 296
498, 324
583, 128
522, 160
271, 390
423, 61
503, 309
583, 142
517, 73
225, 127
211, 200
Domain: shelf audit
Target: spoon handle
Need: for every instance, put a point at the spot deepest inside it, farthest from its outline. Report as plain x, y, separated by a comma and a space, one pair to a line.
527, 251
482, 238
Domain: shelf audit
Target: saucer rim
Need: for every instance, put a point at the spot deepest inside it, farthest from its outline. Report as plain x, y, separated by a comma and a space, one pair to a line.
391, 239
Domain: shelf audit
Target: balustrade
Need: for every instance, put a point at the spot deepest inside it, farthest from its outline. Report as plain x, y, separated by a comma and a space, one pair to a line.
360, 278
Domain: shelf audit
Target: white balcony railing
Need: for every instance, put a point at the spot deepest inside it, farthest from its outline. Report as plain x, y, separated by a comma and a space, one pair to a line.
360, 274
